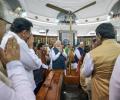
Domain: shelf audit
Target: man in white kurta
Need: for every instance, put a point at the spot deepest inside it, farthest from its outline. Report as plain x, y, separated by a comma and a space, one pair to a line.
114, 87
20, 88
27, 56
14, 85
78, 53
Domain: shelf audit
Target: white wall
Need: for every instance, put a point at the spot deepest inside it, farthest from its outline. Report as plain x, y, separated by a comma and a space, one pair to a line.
53, 29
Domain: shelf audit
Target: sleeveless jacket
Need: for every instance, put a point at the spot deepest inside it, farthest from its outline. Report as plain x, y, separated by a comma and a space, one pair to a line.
104, 57
59, 63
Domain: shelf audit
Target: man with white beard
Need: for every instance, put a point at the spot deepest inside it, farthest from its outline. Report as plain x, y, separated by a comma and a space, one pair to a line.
58, 56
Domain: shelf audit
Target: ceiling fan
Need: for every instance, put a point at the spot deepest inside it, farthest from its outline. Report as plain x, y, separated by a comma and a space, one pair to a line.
69, 13
66, 11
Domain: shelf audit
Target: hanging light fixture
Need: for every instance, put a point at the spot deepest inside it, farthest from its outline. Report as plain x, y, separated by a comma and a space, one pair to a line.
65, 18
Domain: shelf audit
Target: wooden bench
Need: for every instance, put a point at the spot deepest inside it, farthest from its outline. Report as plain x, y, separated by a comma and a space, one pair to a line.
72, 78
51, 88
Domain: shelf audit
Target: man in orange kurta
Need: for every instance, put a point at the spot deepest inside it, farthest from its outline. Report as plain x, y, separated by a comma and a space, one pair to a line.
99, 62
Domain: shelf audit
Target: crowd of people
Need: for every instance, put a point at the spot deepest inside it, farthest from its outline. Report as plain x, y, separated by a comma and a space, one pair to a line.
23, 62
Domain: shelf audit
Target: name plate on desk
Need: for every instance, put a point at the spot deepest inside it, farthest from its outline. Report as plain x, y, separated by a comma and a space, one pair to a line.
51, 88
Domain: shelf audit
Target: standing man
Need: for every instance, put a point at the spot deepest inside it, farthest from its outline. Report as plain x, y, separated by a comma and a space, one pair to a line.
79, 55
99, 62
58, 56
14, 83
21, 30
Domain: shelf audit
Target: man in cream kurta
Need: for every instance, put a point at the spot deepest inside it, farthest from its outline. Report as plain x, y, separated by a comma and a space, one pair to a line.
99, 62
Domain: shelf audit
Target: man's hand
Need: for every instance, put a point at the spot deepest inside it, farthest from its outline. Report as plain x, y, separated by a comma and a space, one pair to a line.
30, 41
11, 52
60, 49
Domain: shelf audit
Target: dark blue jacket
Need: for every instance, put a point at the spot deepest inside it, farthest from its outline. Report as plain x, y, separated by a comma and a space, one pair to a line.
82, 53
59, 63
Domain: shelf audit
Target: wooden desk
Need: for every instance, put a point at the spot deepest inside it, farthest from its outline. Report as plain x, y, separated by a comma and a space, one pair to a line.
72, 78
51, 88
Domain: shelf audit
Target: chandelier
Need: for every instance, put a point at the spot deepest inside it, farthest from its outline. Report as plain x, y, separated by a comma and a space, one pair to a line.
65, 18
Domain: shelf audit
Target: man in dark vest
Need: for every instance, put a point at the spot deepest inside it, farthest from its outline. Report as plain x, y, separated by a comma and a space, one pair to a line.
58, 56
79, 54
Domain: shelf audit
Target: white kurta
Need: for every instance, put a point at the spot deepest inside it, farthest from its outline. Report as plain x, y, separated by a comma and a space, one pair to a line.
27, 56
114, 87
77, 53
21, 87
88, 66
55, 56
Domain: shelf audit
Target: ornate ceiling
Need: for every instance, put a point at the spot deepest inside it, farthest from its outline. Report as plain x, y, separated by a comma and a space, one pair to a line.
96, 12
45, 18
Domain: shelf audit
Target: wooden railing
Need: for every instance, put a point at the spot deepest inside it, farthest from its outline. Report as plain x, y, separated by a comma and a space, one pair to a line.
51, 88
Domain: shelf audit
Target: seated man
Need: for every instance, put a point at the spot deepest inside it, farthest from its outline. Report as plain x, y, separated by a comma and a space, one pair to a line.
14, 83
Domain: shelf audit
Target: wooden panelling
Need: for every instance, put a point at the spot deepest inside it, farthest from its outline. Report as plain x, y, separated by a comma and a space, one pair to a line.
86, 39
50, 39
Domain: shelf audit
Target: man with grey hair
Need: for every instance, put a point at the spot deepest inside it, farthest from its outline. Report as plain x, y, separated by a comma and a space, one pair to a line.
14, 83
58, 56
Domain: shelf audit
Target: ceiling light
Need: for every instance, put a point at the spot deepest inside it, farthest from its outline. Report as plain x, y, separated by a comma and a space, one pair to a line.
40, 22
36, 17
86, 20
42, 31
97, 19
18, 9
108, 17
111, 13
77, 21
47, 19
24, 14
92, 23
56, 20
